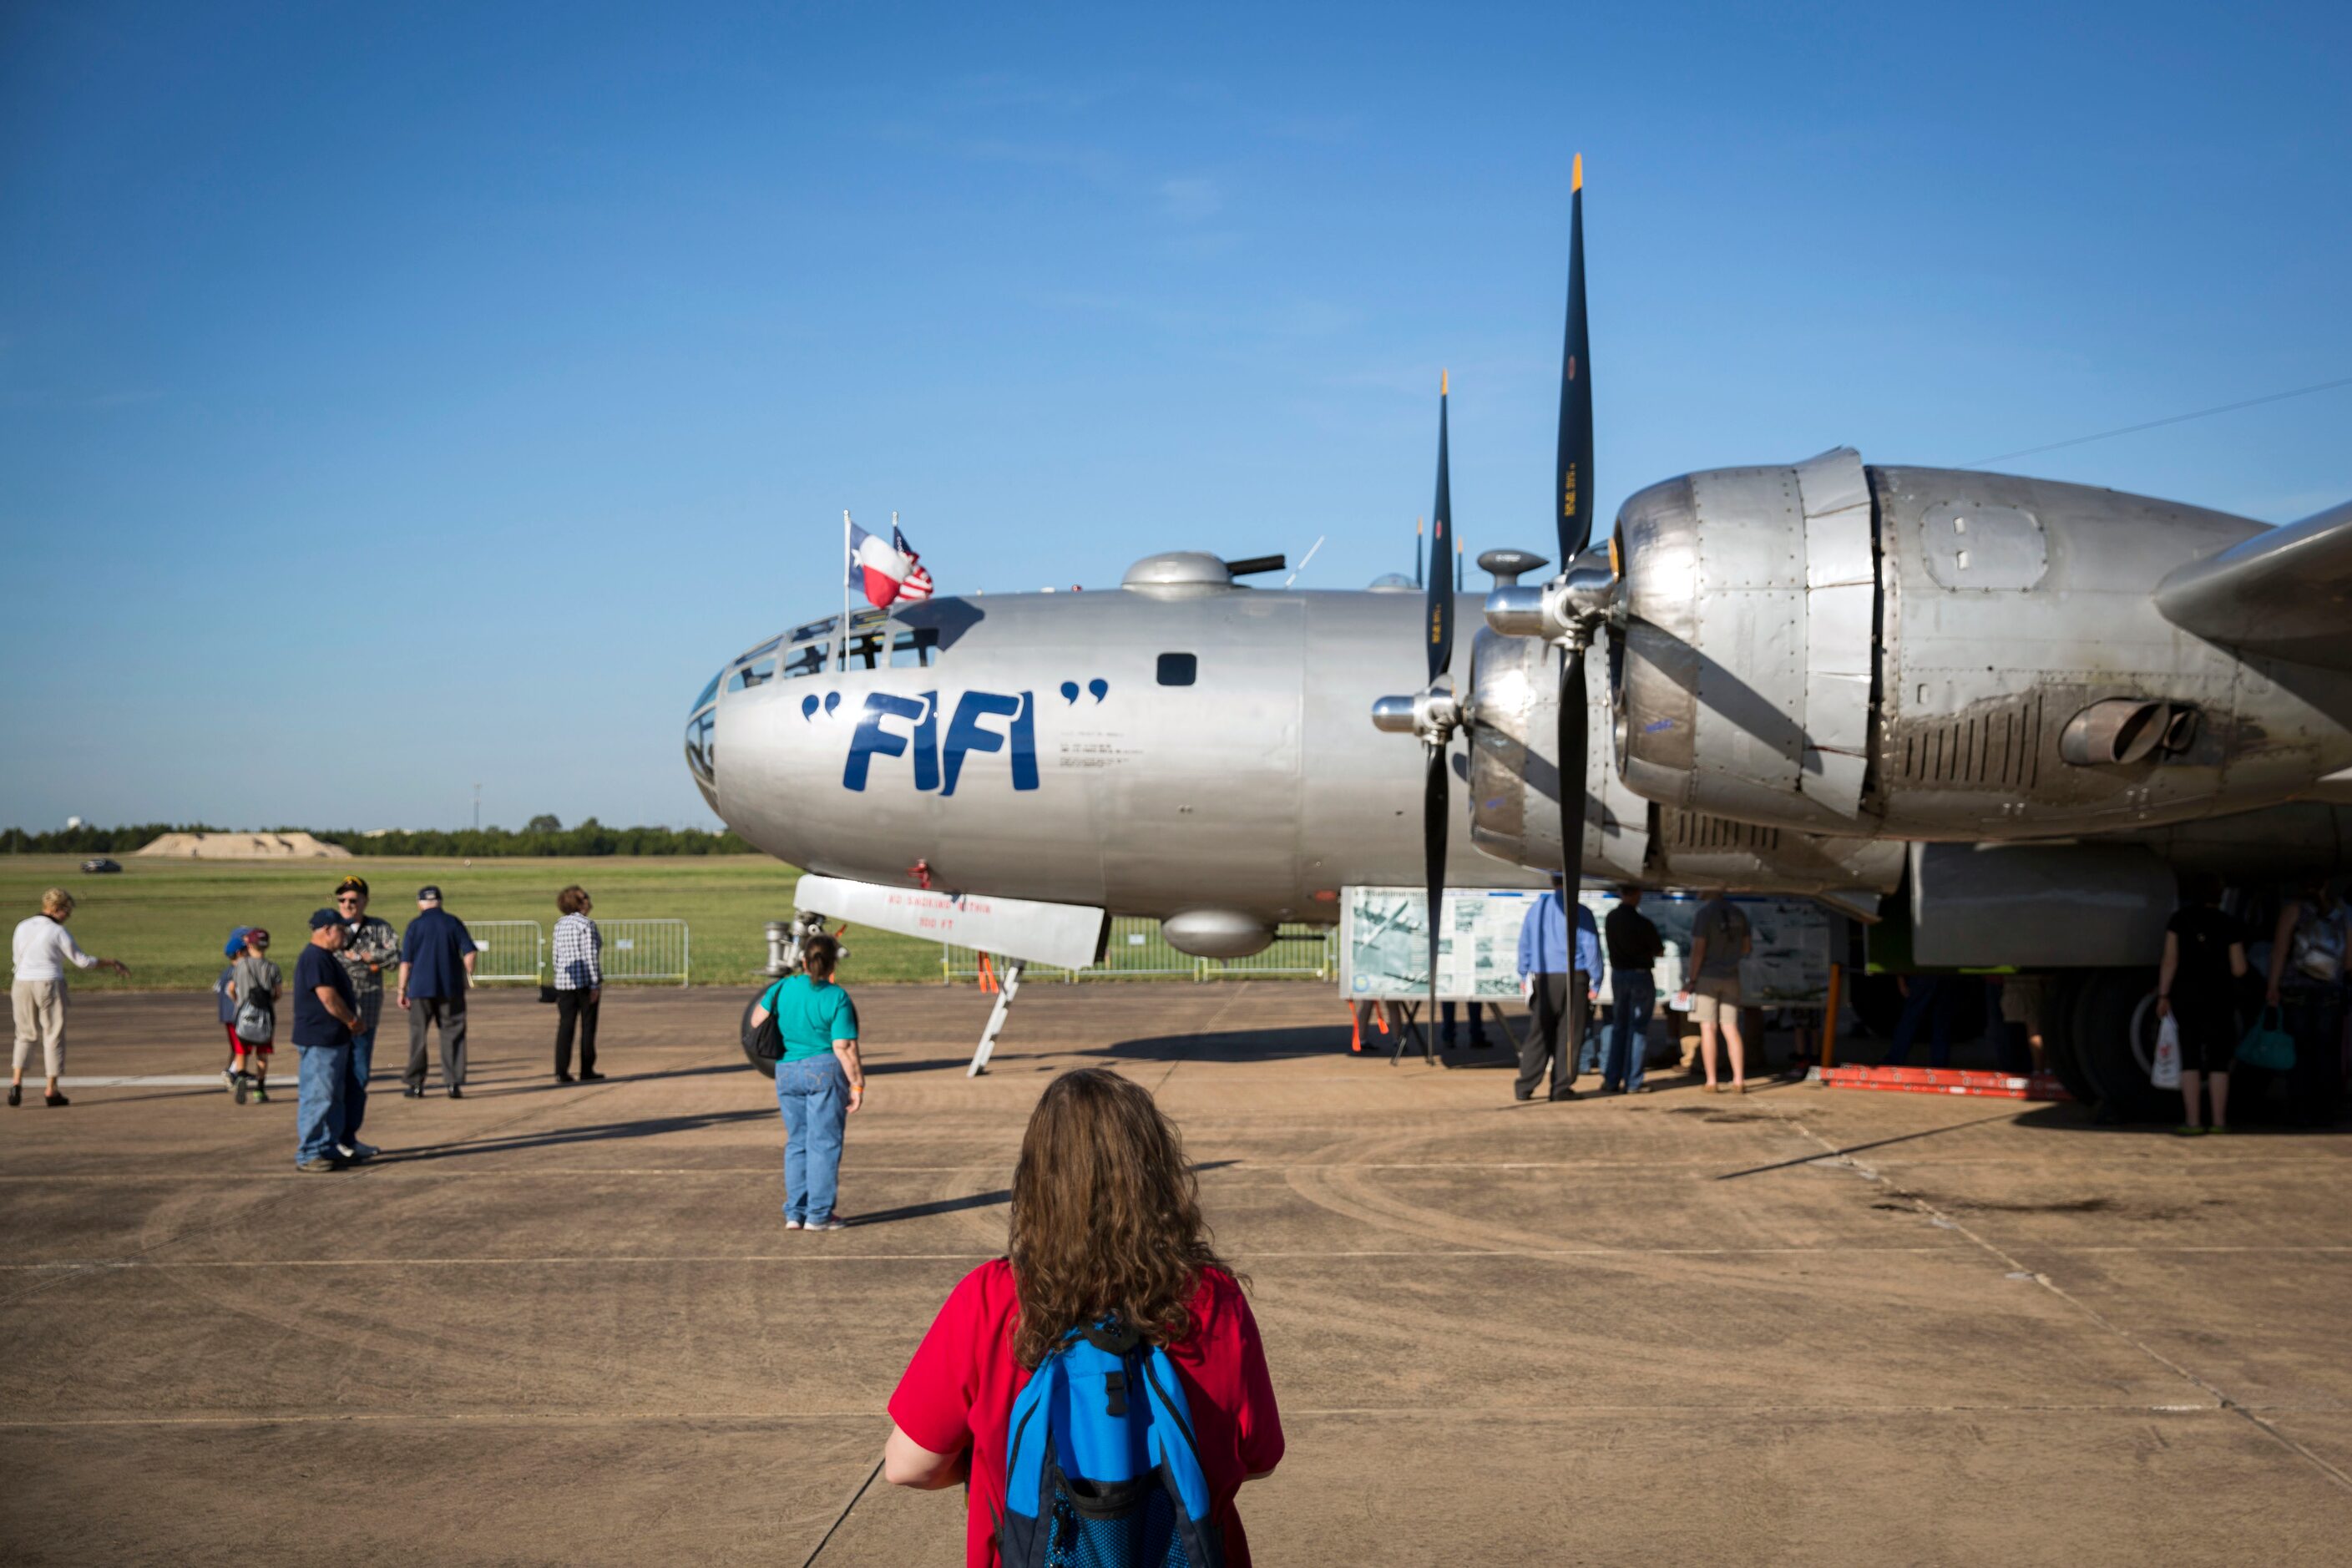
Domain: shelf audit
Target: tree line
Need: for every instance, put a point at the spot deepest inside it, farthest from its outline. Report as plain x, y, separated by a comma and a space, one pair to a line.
542, 835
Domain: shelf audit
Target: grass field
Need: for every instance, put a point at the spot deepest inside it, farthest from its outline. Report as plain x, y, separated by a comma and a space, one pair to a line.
167, 919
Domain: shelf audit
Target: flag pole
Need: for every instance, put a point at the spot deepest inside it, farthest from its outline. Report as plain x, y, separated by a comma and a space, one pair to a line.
841, 638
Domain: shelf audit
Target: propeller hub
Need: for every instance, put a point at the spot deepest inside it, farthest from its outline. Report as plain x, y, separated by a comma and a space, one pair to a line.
1564, 610
1433, 715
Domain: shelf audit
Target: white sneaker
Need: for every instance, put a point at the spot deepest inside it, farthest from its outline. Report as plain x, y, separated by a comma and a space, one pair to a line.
834, 1223
357, 1150
793, 1225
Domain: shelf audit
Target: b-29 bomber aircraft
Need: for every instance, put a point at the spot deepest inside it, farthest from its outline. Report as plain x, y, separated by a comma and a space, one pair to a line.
2028, 703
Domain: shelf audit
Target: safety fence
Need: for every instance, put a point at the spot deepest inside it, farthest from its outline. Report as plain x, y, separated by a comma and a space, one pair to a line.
508, 951
646, 950
515, 952
1137, 951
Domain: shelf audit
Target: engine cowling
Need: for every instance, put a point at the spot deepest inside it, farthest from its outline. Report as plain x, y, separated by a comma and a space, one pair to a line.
1751, 600
1942, 654
1514, 764
1515, 799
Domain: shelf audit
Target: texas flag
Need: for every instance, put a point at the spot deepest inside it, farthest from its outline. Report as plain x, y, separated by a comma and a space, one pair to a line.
887, 573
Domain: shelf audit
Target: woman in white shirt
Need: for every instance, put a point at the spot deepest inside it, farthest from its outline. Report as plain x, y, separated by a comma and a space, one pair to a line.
42, 949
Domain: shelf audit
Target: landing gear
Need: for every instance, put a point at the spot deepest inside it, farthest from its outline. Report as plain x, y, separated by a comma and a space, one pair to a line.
2058, 1036
2098, 1031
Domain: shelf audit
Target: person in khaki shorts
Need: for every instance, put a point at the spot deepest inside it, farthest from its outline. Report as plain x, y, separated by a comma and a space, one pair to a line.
1720, 939
42, 949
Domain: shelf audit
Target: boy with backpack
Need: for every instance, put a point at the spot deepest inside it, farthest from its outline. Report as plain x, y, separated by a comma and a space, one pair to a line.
223, 994
254, 983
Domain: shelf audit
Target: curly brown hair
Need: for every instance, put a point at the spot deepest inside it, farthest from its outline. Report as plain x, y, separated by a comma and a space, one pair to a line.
1106, 1216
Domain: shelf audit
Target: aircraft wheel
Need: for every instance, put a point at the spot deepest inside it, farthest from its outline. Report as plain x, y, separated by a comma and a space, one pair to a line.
2115, 1040
760, 1064
2058, 1036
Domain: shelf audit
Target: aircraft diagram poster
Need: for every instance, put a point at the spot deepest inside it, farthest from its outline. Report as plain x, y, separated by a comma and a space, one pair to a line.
1384, 944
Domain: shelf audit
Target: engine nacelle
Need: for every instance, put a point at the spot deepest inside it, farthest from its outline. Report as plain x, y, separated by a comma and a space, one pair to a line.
1514, 769
1515, 799
1942, 654
1751, 600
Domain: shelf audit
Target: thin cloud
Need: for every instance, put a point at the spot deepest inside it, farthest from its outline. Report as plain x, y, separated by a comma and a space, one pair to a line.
1191, 198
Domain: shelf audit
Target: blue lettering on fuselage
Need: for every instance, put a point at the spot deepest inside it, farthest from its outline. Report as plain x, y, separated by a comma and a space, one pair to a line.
966, 734
872, 738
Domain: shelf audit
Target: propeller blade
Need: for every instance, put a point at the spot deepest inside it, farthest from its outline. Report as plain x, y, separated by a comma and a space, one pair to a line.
1574, 469
1435, 808
1575, 492
1575, 722
1441, 557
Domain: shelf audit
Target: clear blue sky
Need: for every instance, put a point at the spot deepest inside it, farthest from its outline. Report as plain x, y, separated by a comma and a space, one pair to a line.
468, 382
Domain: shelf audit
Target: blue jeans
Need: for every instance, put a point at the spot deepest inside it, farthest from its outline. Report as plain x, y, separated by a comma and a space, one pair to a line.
1930, 1002
1589, 1056
1632, 997
814, 1096
355, 1077
319, 1109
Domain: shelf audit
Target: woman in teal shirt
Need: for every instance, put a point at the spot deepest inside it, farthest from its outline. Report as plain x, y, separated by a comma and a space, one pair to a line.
819, 1081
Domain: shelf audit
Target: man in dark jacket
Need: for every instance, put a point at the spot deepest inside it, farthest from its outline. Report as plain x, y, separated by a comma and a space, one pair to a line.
436, 965
324, 1012
1633, 948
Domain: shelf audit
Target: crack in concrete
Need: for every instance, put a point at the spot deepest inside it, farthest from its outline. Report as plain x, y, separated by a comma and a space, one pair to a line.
2016, 1269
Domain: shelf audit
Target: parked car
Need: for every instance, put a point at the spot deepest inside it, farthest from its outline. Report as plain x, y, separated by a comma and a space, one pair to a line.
102, 864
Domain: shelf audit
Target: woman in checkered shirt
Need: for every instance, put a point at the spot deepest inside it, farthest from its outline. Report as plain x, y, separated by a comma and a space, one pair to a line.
579, 983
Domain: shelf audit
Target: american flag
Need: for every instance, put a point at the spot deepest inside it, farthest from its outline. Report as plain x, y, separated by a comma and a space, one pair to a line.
917, 582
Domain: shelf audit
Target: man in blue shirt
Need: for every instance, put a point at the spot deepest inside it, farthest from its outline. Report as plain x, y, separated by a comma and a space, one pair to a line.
325, 1009
436, 965
1561, 986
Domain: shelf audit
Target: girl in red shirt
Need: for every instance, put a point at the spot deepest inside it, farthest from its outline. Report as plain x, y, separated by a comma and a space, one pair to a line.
1106, 1218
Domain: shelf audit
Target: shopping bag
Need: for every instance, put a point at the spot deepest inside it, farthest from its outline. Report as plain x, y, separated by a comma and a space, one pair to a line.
2268, 1045
2166, 1073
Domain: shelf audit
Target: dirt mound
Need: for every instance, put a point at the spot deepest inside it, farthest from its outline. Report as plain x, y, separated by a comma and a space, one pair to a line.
243, 847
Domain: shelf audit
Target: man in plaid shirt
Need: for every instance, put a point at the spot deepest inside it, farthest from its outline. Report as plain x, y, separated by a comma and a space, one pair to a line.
579, 983
369, 947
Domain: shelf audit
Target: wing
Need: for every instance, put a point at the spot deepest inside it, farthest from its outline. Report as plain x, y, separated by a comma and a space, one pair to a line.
2287, 593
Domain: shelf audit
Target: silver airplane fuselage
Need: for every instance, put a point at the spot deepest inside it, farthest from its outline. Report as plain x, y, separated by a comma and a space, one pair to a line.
1150, 749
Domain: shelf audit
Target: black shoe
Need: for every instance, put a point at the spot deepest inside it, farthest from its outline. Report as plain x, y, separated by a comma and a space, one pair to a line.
319, 1165
591, 1077
414, 1091
1445, 1041
16, 1094
54, 1097
455, 1093
1559, 1094
564, 1077
1522, 1096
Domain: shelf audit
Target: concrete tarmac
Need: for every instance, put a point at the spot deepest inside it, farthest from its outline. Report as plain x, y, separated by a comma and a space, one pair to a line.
562, 1324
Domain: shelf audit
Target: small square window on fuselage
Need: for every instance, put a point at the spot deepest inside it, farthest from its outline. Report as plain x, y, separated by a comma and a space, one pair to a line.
1178, 668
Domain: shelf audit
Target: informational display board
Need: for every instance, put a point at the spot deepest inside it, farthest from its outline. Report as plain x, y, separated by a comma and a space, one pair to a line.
1787, 962
1384, 945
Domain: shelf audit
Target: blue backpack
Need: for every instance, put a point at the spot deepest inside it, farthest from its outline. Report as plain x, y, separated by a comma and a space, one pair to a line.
1101, 1467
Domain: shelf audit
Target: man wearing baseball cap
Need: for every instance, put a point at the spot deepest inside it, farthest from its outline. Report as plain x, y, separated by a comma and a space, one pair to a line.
324, 1014
369, 947
436, 965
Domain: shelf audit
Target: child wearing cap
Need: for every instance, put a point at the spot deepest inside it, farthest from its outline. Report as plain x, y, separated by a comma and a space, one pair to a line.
253, 976
224, 991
